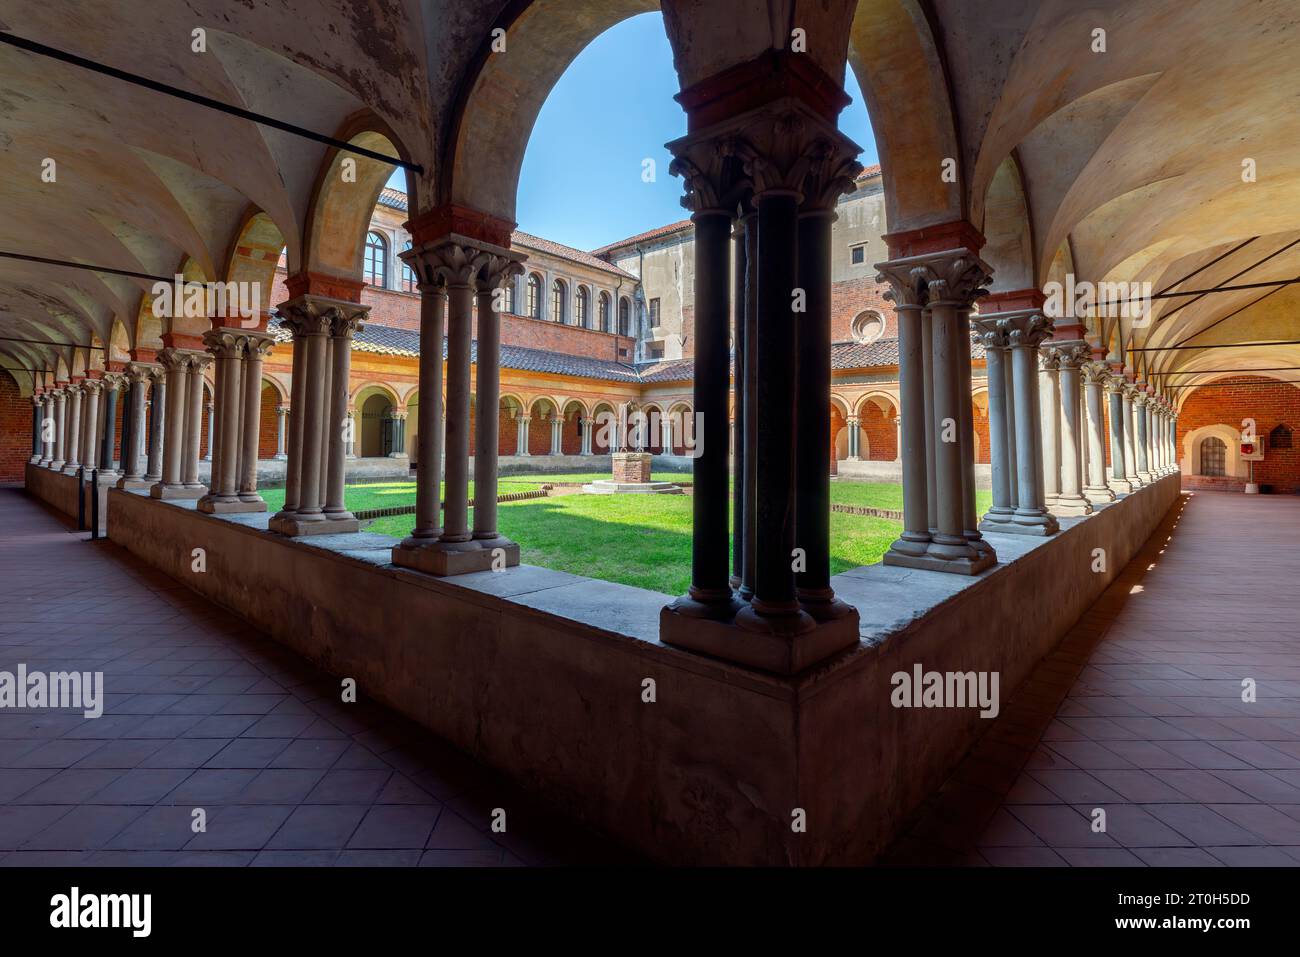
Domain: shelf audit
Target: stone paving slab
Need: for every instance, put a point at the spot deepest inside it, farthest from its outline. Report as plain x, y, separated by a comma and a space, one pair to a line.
201, 711
1140, 713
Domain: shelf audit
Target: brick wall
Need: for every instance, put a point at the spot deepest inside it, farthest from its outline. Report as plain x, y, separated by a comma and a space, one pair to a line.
879, 434
1266, 401
266, 424
850, 297
15, 429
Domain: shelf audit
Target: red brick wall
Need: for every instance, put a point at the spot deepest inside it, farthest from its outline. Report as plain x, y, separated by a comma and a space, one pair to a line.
15, 429
1266, 401
879, 434
539, 432
981, 421
850, 297
571, 434
507, 430
266, 425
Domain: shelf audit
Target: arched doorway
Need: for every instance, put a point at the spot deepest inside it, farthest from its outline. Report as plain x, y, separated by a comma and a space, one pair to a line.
376, 426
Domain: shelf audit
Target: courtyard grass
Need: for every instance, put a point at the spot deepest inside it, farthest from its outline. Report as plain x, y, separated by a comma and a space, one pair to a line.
641, 540
367, 495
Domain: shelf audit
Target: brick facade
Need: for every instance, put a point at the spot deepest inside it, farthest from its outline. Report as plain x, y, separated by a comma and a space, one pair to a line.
850, 297
15, 429
1269, 403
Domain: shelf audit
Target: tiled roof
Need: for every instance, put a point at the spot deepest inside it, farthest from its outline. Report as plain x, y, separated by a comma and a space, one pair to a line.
393, 198
644, 237
391, 341
529, 241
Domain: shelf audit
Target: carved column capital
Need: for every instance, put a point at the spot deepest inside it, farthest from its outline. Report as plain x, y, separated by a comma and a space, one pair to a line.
224, 343
140, 372
258, 345
953, 277
498, 269
1095, 372
992, 332
1022, 327
457, 260
1070, 353
311, 315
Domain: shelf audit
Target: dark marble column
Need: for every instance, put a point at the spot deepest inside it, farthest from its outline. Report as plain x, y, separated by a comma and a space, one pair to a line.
112, 384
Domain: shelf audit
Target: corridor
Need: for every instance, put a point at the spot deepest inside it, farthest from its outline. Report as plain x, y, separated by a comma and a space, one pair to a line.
201, 712
1140, 715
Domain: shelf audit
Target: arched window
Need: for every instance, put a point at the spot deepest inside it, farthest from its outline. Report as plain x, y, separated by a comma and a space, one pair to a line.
409, 282
510, 296
624, 317
376, 268
1281, 437
534, 301
604, 312
1214, 456
557, 301
580, 302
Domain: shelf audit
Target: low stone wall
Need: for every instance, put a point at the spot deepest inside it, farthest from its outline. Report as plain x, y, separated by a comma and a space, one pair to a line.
865, 470
544, 675
59, 492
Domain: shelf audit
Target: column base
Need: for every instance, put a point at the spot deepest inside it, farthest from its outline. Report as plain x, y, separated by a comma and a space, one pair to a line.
252, 498
1121, 487
1147, 477
436, 557
57, 466
783, 644
44, 463
1072, 507
225, 506
822, 604
961, 565
1135, 482
74, 469
34, 460
294, 525
133, 484
1040, 523
170, 493
1099, 494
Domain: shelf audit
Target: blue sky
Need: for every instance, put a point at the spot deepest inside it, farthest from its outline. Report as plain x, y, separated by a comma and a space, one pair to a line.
581, 182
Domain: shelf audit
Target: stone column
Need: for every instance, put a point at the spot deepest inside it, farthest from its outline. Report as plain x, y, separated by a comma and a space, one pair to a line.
133, 466
281, 417
584, 424
226, 346
1142, 439
157, 424
1119, 482
946, 285
910, 548
307, 318
398, 418
1027, 332
90, 414
46, 404
1070, 357
108, 436
38, 445
351, 444
739, 340
1095, 376
465, 265
428, 476
196, 362
557, 425
72, 440
1130, 436
344, 322
993, 333
60, 431
1049, 404
970, 510
496, 273
521, 433
854, 427
256, 349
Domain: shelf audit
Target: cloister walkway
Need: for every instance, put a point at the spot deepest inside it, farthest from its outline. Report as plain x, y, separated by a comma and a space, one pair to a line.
1140, 714
203, 712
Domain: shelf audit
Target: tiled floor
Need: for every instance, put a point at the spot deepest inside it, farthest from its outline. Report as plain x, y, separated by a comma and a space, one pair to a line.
202, 712
1140, 715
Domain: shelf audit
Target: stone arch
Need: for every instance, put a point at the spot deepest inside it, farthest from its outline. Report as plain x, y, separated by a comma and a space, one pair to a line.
539, 415
253, 257
374, 385
573, 411
980, 424
899, 66
603, 428
494, 119
119, 342
1008, 230
1234, 466
877, 431
340, 212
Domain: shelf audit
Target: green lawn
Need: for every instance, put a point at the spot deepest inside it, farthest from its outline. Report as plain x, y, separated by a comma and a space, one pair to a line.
642, 540
584, 477
389, 494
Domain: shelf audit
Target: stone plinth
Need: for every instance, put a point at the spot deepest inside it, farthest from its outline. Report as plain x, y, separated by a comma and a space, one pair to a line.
631, 467
614, 487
